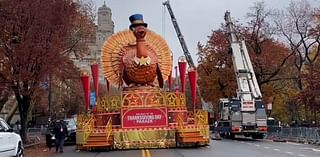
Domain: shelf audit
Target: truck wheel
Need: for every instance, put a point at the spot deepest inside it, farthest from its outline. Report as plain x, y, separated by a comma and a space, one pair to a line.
232, 136
260, 136
254, 136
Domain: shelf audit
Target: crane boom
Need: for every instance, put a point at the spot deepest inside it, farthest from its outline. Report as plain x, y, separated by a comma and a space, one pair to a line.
184, 47
248, 88
245, 114
180, 36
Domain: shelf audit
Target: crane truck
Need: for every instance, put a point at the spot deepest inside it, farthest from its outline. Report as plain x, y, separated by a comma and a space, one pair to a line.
245, 114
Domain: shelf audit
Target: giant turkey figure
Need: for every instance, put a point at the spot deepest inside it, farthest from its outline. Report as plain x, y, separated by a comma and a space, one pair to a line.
137, 57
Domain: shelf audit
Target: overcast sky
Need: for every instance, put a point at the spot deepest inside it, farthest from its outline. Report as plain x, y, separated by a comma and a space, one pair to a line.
196, 18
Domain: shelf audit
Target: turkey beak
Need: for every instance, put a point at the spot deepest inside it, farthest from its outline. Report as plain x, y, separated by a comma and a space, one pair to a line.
141, 30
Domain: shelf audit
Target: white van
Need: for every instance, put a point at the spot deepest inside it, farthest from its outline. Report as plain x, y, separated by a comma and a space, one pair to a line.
10, 142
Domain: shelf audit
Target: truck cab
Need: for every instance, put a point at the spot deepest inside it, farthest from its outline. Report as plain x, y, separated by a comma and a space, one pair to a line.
233, 121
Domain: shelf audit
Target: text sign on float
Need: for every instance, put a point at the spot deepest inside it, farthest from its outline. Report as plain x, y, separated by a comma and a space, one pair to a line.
144, 118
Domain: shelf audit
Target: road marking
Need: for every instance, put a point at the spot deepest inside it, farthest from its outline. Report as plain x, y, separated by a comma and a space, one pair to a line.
316, 150
313, 149
276, 149
289, 152
143, 153
266, 147
257, 145
302, 155
297, 144
148, 153
249, 143
305, 148
241, 142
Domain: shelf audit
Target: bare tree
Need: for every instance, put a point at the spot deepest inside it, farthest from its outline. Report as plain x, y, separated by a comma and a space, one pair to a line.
300, 28
260, 34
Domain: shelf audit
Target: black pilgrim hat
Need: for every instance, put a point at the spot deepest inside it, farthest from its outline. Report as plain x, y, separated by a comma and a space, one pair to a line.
137, 19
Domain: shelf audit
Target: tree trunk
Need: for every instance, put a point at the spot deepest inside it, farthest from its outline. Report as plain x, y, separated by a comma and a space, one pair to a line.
4, 97
23, 130
306, 115
2, 104
12, 112
23, 105
315, 116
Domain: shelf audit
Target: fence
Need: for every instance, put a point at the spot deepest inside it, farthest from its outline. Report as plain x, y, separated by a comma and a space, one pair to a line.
309, 135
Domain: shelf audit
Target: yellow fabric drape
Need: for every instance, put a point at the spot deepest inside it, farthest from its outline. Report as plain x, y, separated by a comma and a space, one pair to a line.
144, 139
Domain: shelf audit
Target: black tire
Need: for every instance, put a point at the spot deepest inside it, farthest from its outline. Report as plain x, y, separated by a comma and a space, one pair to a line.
254, 136
260, 136
20, 150
223, 135
232, 136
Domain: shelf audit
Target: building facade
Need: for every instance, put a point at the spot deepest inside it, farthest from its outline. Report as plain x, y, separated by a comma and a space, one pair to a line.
104, 29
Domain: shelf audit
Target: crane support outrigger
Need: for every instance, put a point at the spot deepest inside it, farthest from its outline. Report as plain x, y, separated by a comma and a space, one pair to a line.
244, 114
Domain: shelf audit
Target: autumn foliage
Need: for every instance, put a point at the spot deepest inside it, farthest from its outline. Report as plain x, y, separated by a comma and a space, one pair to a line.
284, 50
36, 39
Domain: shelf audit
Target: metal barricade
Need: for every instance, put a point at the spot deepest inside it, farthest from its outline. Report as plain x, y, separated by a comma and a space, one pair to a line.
309, 135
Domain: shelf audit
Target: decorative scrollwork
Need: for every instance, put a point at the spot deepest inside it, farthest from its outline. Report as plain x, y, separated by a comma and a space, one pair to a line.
201, 117
132, 99
115, 102
109, 103
171, 99
102, 104
155, 99
180, 121
82, 119
182, 99
140, 99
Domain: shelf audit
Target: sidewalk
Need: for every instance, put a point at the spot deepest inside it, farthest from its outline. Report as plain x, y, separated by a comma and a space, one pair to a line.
38, 151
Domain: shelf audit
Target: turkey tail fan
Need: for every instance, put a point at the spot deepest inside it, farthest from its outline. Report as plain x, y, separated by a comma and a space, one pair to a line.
113, 50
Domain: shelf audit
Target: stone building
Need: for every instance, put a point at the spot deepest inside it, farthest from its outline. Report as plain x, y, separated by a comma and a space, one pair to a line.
104, 29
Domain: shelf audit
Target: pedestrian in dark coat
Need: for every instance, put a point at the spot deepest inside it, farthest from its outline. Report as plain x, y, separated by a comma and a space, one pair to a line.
60, 132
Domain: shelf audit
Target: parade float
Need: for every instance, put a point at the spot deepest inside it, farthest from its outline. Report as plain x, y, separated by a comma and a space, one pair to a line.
148, 113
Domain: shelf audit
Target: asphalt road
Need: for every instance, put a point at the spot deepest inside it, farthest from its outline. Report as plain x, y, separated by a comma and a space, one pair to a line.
240, 147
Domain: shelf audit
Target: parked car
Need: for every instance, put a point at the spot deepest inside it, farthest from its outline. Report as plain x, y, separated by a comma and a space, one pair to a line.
72, 127
10, 142
71, 136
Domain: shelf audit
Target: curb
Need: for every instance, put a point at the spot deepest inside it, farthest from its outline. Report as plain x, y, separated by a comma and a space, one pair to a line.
37, 142
279, 140
215, 138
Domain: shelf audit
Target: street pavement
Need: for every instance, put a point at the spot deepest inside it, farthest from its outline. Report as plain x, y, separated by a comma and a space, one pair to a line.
241, 147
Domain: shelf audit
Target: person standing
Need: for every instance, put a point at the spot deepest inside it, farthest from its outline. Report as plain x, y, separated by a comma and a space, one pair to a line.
60, 132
